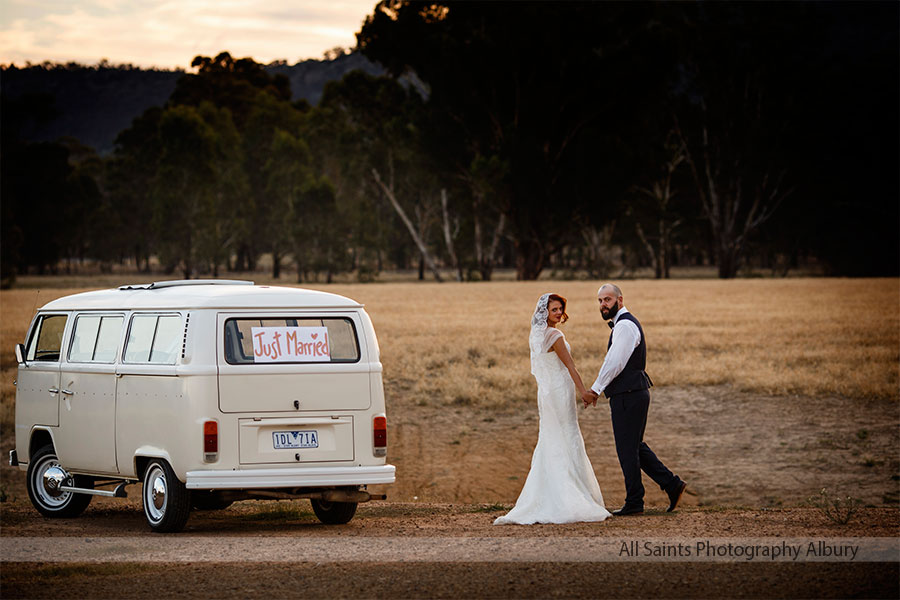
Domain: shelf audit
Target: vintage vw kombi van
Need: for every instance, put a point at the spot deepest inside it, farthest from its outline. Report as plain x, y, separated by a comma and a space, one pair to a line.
207, 392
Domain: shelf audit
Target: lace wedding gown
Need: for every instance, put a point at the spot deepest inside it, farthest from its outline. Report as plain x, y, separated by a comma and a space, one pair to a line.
561, 486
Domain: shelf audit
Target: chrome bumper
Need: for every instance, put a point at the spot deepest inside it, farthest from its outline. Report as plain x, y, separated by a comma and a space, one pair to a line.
255, 479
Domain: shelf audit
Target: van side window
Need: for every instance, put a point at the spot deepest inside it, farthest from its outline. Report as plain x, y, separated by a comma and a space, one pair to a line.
154, 339
343, 344
96, 338
46, 341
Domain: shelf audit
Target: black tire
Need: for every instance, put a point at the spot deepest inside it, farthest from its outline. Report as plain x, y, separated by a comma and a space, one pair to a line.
56, 505
334, 513
206, 500
167, 503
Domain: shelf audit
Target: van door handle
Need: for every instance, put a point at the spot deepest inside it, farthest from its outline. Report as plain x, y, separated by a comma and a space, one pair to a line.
53, 390
67, 392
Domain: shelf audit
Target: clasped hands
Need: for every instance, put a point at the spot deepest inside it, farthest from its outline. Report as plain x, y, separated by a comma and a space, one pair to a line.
589, 397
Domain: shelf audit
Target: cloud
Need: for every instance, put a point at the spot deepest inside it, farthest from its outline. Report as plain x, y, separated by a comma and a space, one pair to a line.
169, 34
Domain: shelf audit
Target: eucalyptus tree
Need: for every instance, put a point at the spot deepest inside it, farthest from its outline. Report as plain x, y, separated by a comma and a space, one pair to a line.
544, 87
259, 103
375, 127
184, 187
130, 175
286, 173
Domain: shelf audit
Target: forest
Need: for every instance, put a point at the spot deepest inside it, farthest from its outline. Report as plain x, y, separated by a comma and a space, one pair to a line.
590, 139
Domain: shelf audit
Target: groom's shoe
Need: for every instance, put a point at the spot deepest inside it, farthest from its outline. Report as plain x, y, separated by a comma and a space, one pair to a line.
675, 495
628, 510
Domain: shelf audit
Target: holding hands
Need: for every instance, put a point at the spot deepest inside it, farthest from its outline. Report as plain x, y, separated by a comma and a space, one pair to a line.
589, 397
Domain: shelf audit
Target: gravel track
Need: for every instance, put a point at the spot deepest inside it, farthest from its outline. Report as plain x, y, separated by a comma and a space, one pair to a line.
418, 550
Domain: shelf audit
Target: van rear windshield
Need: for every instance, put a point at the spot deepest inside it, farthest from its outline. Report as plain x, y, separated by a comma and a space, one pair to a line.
290, 340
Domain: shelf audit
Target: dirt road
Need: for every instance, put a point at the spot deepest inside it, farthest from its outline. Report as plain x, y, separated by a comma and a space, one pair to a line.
279, 549
461, 466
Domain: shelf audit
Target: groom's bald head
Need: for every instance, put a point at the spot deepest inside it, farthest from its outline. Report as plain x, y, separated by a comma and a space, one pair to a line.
609, 288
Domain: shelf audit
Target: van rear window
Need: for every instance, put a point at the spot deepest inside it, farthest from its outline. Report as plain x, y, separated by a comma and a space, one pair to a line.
290, 340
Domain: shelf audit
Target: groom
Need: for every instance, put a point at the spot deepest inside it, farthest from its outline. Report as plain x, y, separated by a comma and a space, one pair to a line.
623, 380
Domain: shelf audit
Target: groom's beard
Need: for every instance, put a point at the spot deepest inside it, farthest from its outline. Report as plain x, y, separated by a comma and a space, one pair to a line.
609, 313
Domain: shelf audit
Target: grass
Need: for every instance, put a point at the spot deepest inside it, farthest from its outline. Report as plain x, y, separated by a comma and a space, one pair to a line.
837, 508
464, 346
778, 337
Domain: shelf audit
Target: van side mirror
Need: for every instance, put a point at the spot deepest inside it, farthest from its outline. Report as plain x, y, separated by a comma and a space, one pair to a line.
20, 354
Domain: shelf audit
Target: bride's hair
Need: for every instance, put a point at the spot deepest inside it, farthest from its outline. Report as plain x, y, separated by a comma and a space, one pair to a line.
562, 301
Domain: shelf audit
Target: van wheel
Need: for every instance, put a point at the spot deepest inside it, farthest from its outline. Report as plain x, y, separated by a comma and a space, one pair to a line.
43, 480
203, 500
334, 513
167, 503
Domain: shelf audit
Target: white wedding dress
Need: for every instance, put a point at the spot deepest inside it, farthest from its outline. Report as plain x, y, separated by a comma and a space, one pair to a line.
561, 486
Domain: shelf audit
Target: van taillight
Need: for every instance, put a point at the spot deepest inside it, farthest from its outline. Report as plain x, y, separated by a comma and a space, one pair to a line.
211, 441
379, 425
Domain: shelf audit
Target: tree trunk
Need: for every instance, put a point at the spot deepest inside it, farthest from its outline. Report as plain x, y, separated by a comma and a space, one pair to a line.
486, 260
529, 260
651, 251
426, 256
276, 265
448, 236
728, 260
721, 186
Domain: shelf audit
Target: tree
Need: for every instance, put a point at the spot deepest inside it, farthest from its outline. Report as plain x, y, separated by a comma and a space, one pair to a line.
287, 173
269, 119
484, 179
259, 103
319, 231
130, 174
735, 124
377, 125
229, 83
184, 187
656, 208
232, 207
514, 90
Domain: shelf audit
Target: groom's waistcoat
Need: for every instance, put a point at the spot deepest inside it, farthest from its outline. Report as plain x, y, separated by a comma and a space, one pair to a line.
632, 378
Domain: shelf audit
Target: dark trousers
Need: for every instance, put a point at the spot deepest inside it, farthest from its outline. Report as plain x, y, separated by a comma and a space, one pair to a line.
629, 418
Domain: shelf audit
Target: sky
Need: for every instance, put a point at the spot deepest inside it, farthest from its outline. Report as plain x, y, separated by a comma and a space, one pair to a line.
170, 33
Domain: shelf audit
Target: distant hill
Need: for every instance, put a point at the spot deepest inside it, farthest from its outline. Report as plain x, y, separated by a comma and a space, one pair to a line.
95, 103
308, 78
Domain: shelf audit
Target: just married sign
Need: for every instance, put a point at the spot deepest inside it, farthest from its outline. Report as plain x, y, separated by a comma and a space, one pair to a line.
290, 344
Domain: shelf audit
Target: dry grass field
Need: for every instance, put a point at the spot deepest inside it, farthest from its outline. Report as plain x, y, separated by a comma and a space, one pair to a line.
723, 355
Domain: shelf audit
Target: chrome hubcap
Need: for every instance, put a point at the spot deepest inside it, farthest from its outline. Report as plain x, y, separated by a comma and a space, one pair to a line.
46, 481
54, 478
159, 492
155, 489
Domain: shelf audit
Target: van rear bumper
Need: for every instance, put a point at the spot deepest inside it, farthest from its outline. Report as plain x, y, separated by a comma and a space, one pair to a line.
255, 479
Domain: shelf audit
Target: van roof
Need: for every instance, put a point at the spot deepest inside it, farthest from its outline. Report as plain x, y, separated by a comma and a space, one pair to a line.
194, 293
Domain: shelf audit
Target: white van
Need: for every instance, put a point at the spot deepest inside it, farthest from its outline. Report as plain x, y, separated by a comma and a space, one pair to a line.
208, 392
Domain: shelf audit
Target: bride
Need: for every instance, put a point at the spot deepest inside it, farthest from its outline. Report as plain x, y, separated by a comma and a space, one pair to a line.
561, 486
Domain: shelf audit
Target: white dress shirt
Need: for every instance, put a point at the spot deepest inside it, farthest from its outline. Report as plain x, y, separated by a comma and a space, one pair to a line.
625, 338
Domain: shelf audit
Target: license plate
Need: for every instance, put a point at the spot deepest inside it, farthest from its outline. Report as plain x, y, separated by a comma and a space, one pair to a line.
295, 439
